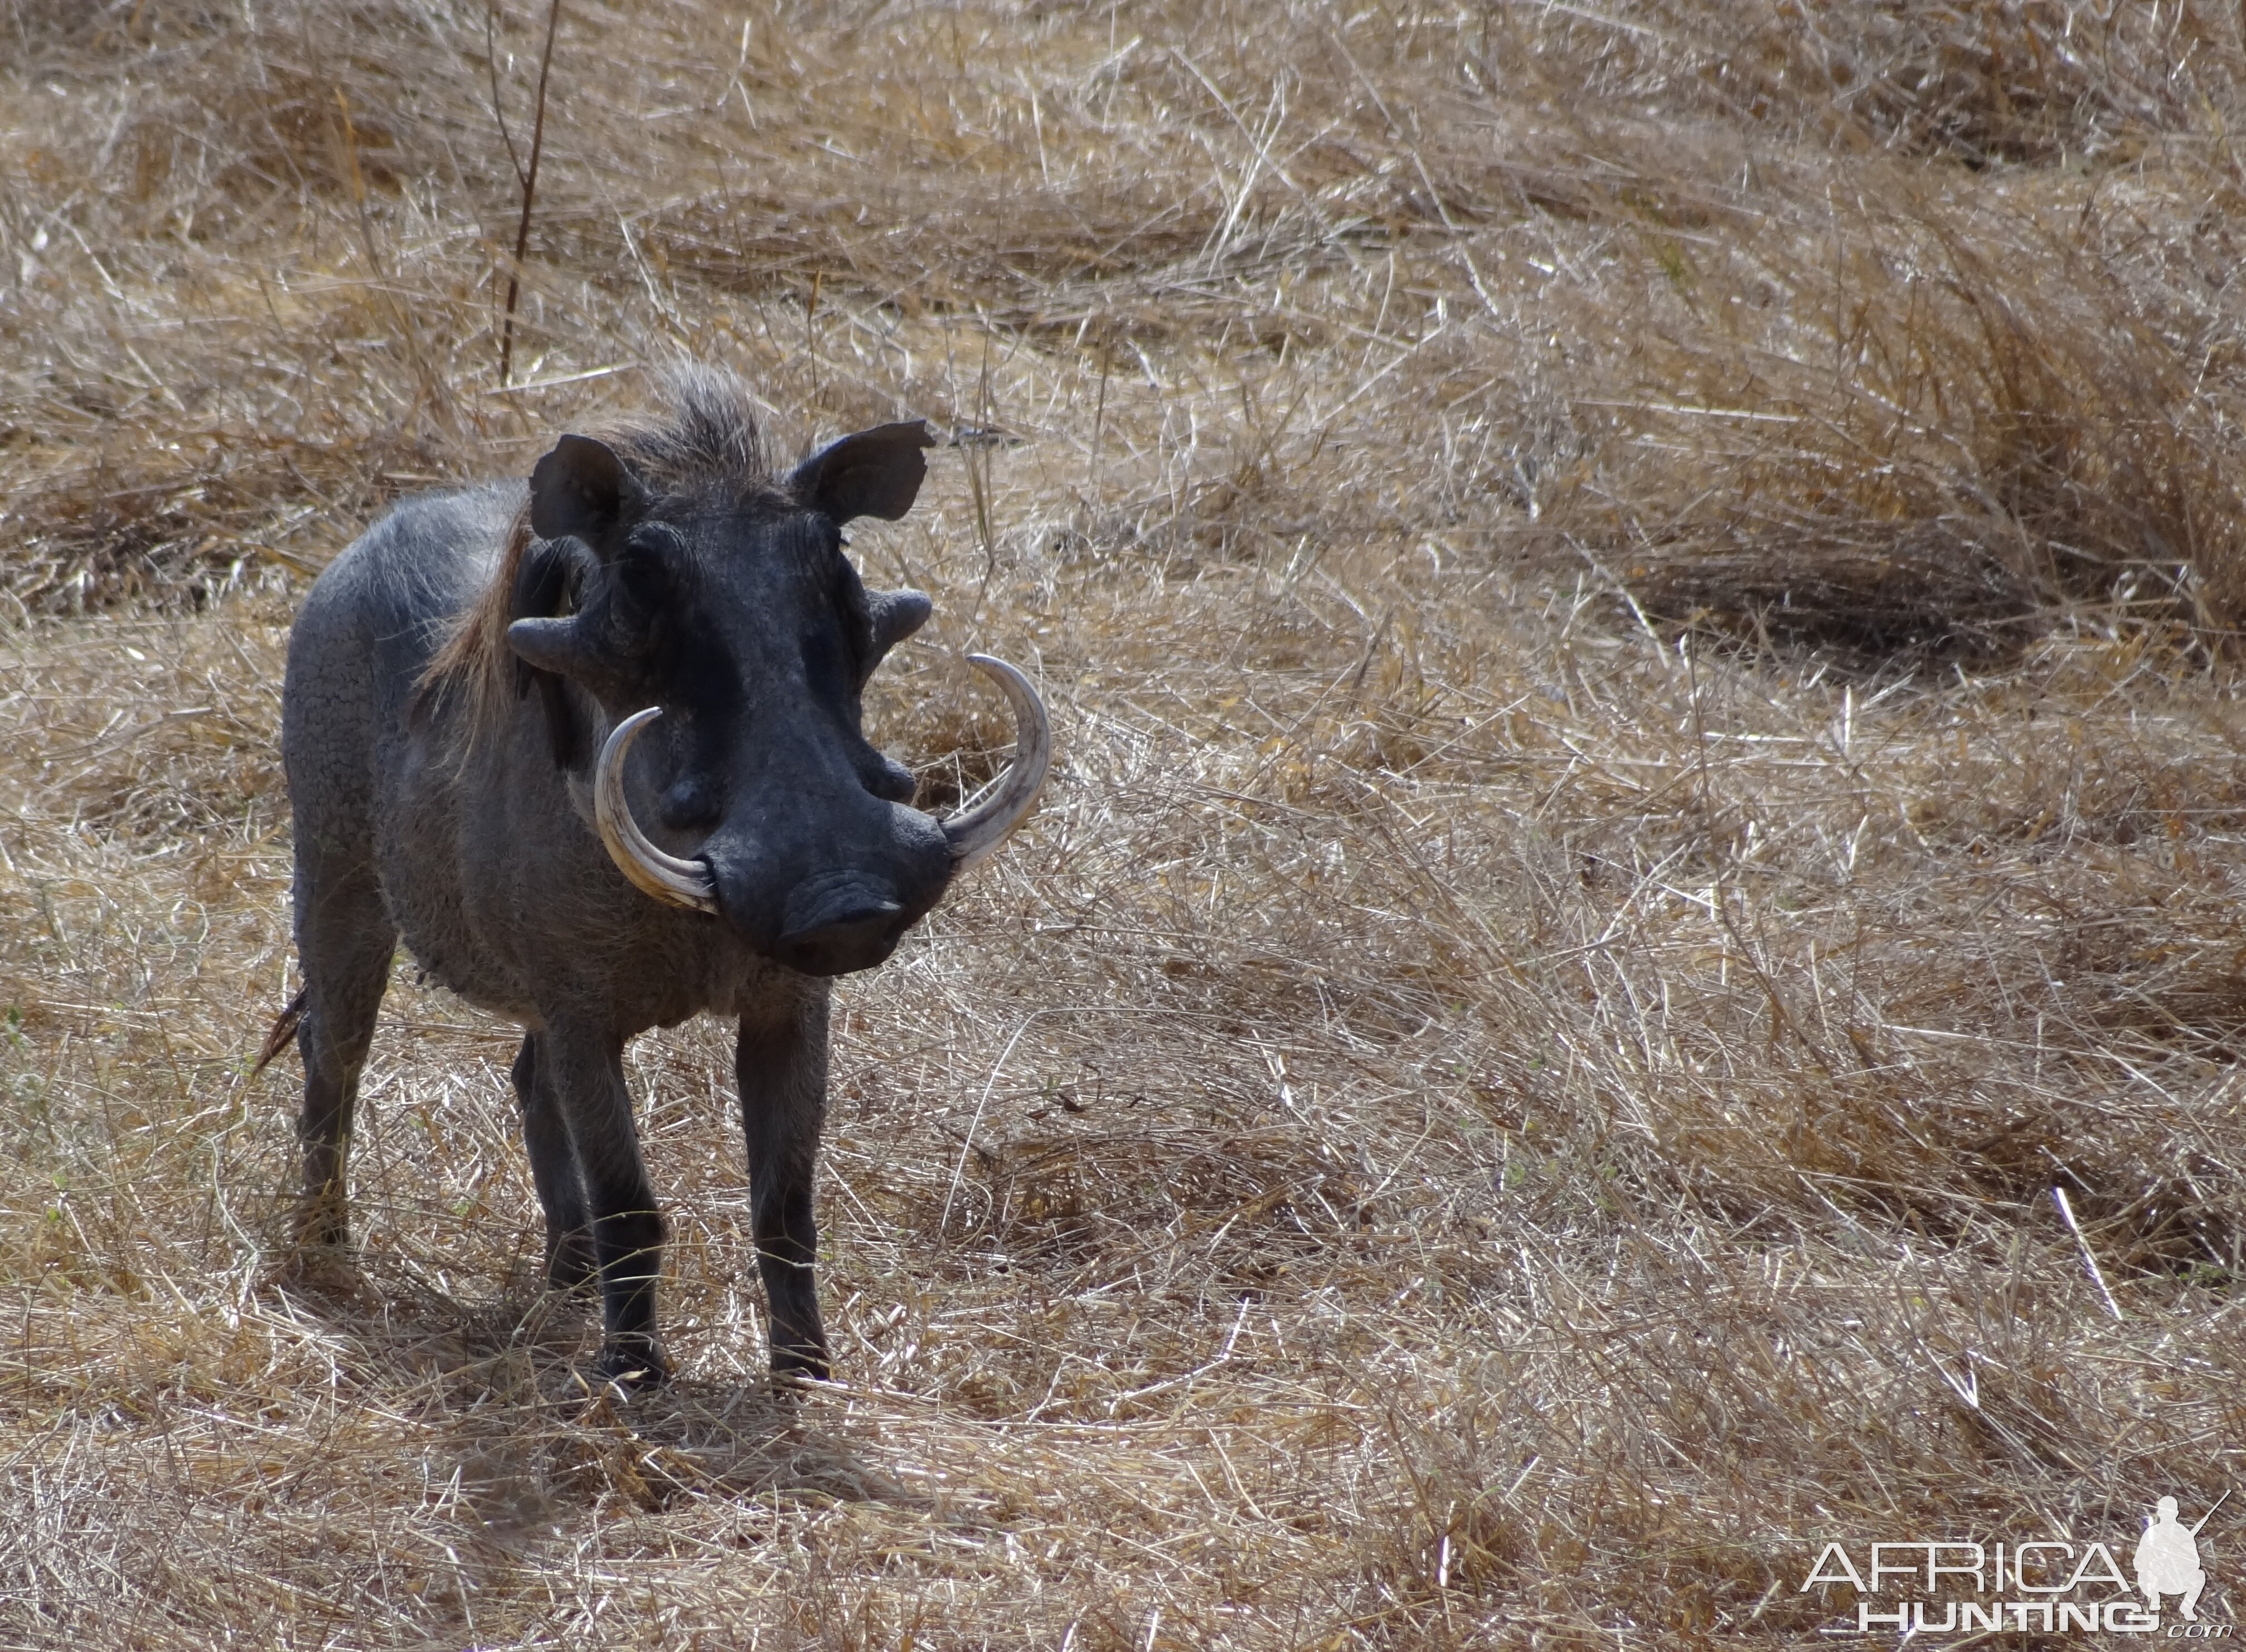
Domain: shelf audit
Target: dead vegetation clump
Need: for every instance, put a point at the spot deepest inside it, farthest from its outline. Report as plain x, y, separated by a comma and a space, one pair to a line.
2027, 81
1936, 374
1637, 601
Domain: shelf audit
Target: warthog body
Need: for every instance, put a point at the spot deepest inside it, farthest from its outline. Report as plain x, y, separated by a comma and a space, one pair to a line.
466, 772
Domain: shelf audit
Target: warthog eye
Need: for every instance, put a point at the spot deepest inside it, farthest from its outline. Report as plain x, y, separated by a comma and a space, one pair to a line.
643, 568
645, 583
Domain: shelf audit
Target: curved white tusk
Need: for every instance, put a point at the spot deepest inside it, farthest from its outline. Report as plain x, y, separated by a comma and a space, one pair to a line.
668, 878
975, 833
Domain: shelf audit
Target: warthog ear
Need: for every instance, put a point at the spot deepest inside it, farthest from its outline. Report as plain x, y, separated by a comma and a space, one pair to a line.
876, 472
582, 490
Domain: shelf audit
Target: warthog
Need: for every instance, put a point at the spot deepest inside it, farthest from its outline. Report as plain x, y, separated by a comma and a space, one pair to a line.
593, 747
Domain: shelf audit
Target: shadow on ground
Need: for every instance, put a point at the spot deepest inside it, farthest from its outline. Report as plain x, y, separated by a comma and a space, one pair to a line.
537, 1437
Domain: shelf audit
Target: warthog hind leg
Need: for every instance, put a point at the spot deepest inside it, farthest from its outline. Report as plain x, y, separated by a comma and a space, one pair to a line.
569, 1257
344, 939
781, 1065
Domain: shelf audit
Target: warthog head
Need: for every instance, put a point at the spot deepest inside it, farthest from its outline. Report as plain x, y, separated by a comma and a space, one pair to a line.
729, 629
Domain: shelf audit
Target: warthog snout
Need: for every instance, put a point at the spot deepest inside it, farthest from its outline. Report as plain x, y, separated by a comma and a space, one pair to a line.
824, 918
827, 880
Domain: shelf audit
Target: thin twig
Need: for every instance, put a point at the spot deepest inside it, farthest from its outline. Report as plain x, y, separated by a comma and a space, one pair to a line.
499, 108
530, 192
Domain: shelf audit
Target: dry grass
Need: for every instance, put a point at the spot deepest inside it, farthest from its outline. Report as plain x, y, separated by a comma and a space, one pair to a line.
1639, 603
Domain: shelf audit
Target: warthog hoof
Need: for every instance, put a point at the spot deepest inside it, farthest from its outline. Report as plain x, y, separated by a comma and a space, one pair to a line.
800, 1363
329, 1269
320, 1222
632, 1366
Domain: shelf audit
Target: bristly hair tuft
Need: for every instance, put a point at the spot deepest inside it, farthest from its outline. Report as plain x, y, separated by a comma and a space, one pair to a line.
700, 444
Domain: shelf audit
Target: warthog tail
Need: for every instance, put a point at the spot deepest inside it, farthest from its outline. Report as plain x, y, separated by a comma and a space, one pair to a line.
283, 1028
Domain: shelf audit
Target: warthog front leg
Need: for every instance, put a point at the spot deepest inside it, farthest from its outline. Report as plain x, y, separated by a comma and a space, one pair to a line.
584, 1074
781, 1065
570, 1258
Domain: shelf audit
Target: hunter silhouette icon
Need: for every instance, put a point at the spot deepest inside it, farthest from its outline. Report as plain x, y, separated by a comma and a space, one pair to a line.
2167, 1559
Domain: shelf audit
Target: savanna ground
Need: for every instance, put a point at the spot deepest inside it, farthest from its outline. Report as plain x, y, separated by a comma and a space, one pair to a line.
1642, 604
